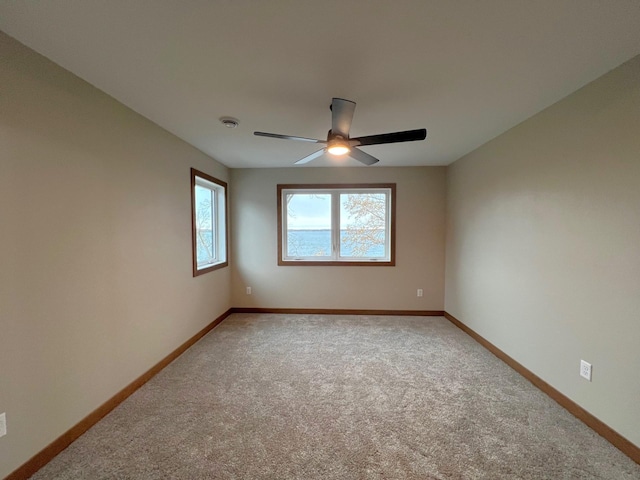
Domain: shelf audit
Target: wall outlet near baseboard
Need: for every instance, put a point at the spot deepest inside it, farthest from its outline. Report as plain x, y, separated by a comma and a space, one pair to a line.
248, 290
420, 292
585, 370
3, 424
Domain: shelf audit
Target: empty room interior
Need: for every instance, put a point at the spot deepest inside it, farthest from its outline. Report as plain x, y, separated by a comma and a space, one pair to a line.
486, 324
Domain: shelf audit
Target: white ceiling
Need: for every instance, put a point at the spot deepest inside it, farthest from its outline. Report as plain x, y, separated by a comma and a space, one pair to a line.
467, 70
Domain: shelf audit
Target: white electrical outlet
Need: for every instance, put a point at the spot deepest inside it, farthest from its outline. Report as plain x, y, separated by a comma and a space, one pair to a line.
3, 424
420, 292
248, 290
585, 370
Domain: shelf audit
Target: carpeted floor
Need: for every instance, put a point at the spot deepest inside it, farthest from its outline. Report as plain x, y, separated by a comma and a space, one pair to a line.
266, 396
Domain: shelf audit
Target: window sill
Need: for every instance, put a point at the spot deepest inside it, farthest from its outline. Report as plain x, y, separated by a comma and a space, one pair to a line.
211, 268
334, 263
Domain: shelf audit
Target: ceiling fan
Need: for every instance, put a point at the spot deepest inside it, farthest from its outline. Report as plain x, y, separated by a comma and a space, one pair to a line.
338, 142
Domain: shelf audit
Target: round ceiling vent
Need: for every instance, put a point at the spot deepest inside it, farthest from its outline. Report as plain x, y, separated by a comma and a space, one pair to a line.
230, 122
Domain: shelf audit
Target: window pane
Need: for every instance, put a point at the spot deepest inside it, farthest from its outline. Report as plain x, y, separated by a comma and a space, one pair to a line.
308, 225
363, 225
205, 238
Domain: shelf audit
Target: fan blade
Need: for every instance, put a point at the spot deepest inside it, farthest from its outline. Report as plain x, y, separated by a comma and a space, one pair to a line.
308, 158
362, 157
407, 136
341, 116
288, 137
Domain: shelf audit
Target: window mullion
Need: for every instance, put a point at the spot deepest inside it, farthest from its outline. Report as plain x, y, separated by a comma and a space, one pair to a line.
335, 225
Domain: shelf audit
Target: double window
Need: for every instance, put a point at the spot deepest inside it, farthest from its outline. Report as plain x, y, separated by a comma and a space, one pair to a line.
336, 224
209, 220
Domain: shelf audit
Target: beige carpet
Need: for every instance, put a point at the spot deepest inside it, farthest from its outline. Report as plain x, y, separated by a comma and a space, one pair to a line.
339, 397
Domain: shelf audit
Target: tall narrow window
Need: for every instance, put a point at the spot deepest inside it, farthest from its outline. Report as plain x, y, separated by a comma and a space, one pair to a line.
209, 220
336, 224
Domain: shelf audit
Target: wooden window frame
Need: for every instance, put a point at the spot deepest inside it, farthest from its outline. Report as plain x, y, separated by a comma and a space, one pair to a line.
338, 263
194, 245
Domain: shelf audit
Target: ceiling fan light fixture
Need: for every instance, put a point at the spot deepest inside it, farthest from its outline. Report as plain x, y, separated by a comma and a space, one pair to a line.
338, 149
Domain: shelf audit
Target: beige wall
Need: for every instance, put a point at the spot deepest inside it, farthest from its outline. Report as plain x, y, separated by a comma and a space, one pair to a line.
419, 252
543, 245
95, 249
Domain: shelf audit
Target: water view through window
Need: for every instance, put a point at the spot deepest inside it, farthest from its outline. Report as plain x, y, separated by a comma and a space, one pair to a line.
337, 225
308, 225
